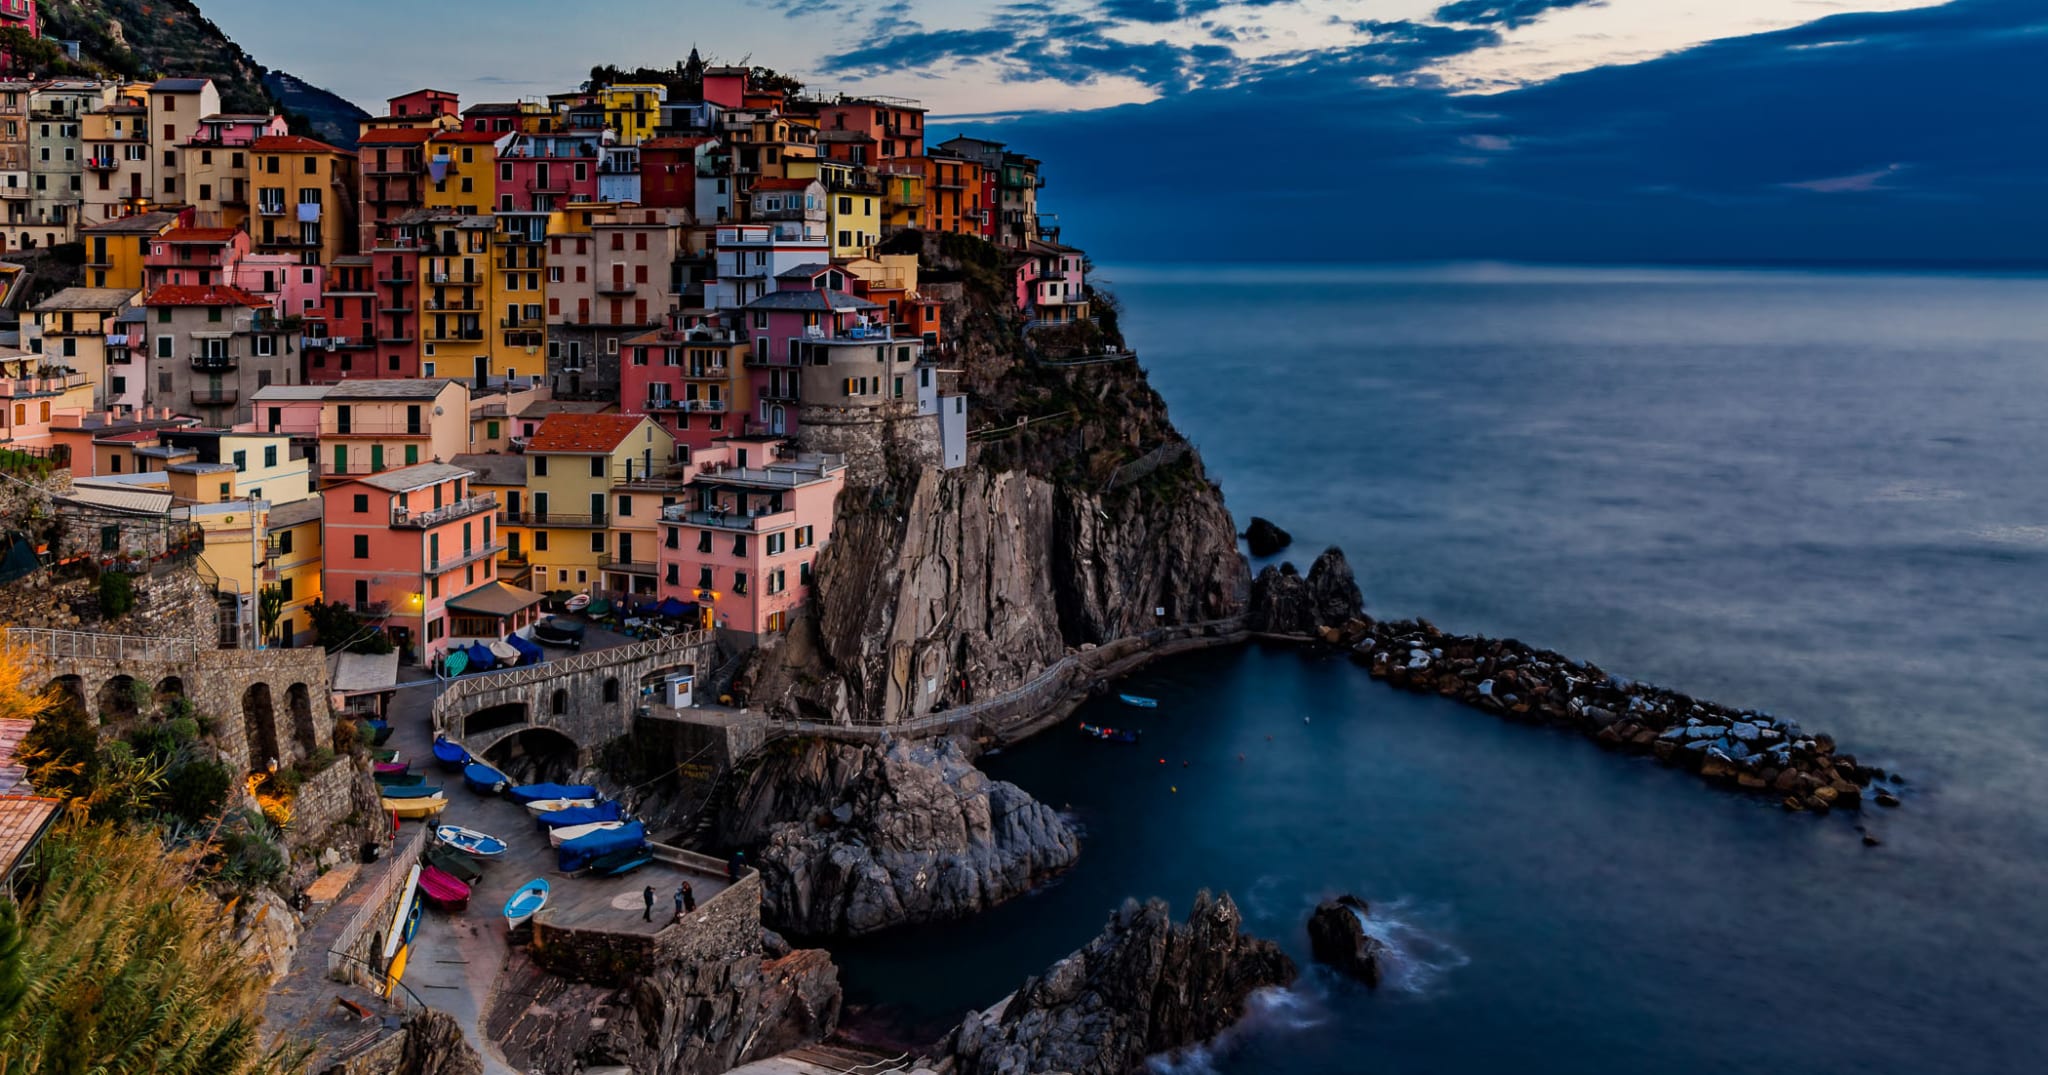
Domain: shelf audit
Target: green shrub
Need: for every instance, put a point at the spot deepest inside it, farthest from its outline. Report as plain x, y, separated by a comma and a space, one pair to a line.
117, 594
197, 789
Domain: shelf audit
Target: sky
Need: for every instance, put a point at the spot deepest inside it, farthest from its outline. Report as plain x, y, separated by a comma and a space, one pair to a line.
1574, 130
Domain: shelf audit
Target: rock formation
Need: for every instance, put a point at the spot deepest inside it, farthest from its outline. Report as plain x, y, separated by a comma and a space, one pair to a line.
1283, 602
1337, 936
1146, 985
853, 839
434, 1046
1262, 538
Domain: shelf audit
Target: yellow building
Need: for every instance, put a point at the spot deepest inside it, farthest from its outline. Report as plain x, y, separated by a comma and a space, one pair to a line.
369, 426
292, 565
903, 195
114, 249
305, 198
462, 170
632, 109
853, 202
517, 298
74, 324
456, 285
120, 175
573, 462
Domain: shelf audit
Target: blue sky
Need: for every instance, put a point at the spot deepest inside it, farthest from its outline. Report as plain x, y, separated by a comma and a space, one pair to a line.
1745, 130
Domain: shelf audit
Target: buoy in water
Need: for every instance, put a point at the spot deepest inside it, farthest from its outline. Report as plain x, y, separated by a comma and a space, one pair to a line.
1162, 761
1176, 789
1183, 764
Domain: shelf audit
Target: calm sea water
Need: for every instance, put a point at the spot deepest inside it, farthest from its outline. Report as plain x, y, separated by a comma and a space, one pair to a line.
1820, 494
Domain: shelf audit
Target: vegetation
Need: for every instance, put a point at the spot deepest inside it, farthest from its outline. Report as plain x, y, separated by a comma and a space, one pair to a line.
337, 627
156, 38
117, 594
269, 606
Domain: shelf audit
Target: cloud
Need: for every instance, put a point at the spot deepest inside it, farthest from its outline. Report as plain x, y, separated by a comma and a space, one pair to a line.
1859, 183
1508, 13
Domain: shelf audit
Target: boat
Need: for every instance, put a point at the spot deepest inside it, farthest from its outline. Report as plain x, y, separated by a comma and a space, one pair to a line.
414, 808
483, 779
416, 791
470, 841
1114, 735
393, 768
531, 897
449, 754
577, 603
562, 834
557, 632
598, 609
380, 731
399, 780
454, 862
528, 652
1138, 701
576, 855
404, 922
619, 863
526, 793
445, 891
481, 659
582, 815
454, 663
506, 653
386, 755
549, 806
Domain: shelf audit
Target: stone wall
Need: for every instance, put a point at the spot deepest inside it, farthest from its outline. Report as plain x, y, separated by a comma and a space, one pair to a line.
725, 927
867, 437
586, 717
352, 955
335, 812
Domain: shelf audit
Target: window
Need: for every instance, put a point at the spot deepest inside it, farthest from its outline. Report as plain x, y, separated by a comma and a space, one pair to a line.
163, 350
597, 541
560, 703
739, 544
540, 466
803, 573
540, 542
776, 581
284, 589
266, 346
362, 546
597, 466
284, 543
703, 541
362, 502
703, 578
803, 537
241, 461
269, 455
625, 506
675, 575
775, 544
739, 582
611, 690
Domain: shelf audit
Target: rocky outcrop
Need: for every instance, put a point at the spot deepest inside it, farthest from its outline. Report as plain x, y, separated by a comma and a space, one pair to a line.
1146, 985
854, 839
1283, 602
1337, 936
434, 1046
1262, 538
695, 1017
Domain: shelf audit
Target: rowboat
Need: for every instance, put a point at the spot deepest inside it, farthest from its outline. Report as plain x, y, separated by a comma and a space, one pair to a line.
1114, 735
470, 841
1138, 701
558, 836
623, 862
578, 603
456, 864
506, 653
445, 891
399, 780
526, 793
531, 897
417, 791
483, 779
583, 815
380, 730
414, 808
386, 755
549, 806
454, 663
393, 767
598, 609
404, 922
449, 754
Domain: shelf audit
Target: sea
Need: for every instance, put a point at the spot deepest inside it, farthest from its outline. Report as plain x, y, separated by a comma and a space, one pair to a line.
1822, 494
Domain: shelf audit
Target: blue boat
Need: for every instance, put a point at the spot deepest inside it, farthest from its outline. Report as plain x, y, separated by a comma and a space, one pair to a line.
483, 779
533, 793
470, 841
528, 652
417, 791
531, 897
449, 754
481, 659
1139, 701
1114, 735
578, 854
454, 663
620, 863
582, 815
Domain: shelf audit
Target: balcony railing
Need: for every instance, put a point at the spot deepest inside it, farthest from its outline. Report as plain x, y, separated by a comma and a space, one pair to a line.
608, 562
617, 287
372, 609
467, 556
101, 164
522, 322
588, 519
270, 208
731, 520
421, 520
215, 397
214, 363
31, 387
702, 406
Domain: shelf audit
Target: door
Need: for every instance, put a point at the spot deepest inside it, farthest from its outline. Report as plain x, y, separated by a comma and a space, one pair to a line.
376, 458
625, 549
341, 459
618, 276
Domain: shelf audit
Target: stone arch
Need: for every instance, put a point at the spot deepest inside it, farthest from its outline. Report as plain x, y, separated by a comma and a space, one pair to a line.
494, 717
558, 706
259, 726
611, 690
70, 690
116, 699
168, 690
533, 754
300, 701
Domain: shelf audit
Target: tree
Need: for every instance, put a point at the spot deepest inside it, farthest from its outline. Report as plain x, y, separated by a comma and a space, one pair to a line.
336, 626
269, 606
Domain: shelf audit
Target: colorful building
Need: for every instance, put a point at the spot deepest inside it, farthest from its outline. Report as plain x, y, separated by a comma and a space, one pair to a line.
370, 426
175, 108
392, 162
462, 170
117, 250
743, 543
120, 175
211, 347
306, 197
544, 172
397, 546
606, 286
75, 326
1052, 283
573, 461
690, 376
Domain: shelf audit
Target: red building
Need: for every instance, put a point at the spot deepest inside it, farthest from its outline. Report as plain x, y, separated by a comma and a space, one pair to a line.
341, 340
668, 172
395, 276
689, 376
394, 170
21, 15
539, 173
425, 104
870, 130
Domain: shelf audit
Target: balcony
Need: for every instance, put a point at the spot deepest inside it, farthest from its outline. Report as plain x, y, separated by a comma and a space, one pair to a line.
617, 287
375, 610
461, 306
270, 208
733, 521
401, 519
215, 397
101, 164
214, 363
631, 567
397, 278
534, 323
698, 406
34, 387
596, 520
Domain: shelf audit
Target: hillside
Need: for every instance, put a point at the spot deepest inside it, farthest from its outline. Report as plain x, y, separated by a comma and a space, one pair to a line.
332, 118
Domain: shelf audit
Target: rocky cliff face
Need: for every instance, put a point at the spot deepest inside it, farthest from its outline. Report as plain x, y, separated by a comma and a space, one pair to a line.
1146, 985
686, 1018
853, 839
1283, 602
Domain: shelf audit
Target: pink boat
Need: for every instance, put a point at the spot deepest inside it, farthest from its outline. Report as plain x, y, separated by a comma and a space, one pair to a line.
444, 890
393, 767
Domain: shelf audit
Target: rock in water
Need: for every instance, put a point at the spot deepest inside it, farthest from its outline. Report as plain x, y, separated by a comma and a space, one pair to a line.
1146, 985
853, 839
1282, 602
1332, 590
1337, 936
1264, 539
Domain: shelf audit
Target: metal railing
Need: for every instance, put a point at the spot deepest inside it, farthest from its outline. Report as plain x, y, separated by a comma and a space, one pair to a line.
566, 519
585, 661
420, 520
52, 644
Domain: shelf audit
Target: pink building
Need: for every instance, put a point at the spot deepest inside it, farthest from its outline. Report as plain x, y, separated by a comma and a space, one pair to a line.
743, 542
232, 129
198, 256
539, 173
781, 322
690, 377
1052, 283
425, 104
294, 289
341, 335
402, 546
23, 15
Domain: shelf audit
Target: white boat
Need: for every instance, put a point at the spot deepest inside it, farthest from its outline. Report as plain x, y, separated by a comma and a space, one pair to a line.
557, 836
504, 651
578, 603
395, 937
549, 806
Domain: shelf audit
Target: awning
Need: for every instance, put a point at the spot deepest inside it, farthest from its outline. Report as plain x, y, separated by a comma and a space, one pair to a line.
363, 673
495, 599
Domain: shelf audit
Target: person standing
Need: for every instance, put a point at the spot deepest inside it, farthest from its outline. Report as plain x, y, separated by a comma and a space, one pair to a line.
679, 900
647, 896
689, 898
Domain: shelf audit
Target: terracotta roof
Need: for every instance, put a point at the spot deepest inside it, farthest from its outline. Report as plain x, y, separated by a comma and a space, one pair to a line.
200, 235
23, 818
582, 432
396, 136
472, 137
782, 184
416, 93
291, 143
133, 436
13, 777
203, 295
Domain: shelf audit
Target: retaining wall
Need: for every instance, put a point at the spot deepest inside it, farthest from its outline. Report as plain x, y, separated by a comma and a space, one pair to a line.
723, 928
351, 951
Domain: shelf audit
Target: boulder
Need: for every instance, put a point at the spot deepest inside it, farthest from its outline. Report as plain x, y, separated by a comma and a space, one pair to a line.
1280, 602
1264, 539
1337, 937
1333, 592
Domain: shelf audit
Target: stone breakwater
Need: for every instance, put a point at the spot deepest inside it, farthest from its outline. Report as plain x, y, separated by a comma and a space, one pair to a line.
1738, 748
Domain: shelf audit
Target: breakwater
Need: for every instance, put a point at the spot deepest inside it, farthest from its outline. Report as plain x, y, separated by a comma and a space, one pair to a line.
1744, 749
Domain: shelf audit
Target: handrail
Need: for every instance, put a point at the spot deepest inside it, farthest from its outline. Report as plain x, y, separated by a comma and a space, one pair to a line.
54, 644
469, 686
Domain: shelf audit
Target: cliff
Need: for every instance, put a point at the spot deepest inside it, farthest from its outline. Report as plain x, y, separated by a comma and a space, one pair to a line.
1082, 517
853, 839
1147, 985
